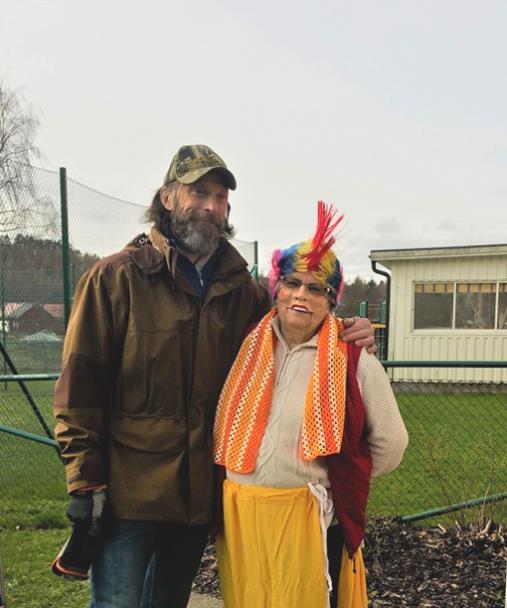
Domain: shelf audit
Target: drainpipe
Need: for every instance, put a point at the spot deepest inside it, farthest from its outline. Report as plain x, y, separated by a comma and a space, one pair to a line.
388, 301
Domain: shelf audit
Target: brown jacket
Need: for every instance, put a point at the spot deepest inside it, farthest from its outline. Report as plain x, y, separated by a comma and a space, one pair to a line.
143, 364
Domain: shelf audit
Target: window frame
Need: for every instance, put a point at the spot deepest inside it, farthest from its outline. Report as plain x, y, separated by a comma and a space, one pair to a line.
442, 330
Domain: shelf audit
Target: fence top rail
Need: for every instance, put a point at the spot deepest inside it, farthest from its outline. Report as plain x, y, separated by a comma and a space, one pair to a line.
30, 436
28, 377
385, 363
495, 364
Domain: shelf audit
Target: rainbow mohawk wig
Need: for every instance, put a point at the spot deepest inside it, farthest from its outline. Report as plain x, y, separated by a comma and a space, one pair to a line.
314, 255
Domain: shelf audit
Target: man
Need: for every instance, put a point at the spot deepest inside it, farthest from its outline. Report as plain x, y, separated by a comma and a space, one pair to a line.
153, 332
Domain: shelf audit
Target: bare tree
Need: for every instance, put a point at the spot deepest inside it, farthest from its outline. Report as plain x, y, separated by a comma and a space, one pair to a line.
18, 129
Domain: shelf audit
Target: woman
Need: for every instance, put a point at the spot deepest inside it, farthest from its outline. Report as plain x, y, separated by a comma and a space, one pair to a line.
302, 423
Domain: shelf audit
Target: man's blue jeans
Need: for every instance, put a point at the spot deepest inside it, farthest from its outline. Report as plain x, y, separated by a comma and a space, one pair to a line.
147, 565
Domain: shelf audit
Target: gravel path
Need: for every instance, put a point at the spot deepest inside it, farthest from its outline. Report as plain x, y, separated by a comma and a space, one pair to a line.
197, 600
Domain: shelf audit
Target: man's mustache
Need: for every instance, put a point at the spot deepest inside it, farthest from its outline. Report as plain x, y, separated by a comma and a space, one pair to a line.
203, 216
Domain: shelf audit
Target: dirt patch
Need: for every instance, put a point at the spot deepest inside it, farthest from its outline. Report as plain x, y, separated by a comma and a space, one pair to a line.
412, 567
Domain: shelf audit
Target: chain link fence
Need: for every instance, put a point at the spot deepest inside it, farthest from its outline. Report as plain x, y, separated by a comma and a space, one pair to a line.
32, 484
32, 488
31, 334
456, 454
31, 296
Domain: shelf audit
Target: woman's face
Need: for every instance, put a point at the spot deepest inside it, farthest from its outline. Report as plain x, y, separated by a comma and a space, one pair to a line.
301, 308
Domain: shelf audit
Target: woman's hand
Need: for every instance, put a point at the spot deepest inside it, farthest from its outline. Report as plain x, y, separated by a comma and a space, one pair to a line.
360, 331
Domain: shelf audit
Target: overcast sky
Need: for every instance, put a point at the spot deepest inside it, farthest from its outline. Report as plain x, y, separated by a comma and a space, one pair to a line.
395, 111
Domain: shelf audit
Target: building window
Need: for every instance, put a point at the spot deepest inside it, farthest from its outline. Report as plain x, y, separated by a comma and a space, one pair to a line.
502, 306
433, 305
475, 305
460, 306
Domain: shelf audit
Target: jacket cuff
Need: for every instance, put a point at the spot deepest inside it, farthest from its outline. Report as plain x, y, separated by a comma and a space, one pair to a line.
87, 476
90, 488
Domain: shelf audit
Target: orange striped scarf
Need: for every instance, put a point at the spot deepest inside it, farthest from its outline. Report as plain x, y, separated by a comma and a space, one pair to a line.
245, 401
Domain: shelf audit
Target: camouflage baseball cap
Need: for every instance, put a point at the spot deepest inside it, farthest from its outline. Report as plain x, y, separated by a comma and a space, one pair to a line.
190, 163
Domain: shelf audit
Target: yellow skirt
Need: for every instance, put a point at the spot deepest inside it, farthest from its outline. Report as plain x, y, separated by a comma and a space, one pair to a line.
271, 555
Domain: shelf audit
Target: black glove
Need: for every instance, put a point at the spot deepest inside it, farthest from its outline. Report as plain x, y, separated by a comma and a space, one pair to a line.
85, 512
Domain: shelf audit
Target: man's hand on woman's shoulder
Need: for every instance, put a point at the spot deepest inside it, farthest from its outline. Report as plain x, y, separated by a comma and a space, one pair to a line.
360, 331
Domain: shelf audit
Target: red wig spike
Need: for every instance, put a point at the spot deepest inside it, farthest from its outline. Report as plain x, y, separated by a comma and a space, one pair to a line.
323, 239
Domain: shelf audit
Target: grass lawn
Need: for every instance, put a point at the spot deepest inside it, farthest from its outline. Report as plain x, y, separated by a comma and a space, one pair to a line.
456, 453
27, 556
31, 474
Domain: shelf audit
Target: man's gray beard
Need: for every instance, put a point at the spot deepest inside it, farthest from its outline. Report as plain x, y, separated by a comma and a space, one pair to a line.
194, 234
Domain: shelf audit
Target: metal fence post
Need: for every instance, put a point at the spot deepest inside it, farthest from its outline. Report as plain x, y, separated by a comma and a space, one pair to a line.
256, 261
4, 335
65, 245
383, 312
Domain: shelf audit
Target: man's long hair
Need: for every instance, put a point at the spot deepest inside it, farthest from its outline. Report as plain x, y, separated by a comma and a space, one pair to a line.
160, 217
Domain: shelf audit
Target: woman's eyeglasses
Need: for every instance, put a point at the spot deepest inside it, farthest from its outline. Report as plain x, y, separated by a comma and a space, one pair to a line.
315, 289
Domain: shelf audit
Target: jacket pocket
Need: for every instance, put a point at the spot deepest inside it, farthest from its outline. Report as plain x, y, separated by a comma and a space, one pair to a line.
150, 434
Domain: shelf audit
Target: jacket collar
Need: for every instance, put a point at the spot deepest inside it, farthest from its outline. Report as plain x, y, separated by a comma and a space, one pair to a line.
147, 258
152, 253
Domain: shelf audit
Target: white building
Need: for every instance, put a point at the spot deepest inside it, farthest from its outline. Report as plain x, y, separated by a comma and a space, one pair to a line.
447, 304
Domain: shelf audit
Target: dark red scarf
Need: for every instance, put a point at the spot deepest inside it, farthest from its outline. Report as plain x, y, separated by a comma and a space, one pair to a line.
350, 470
